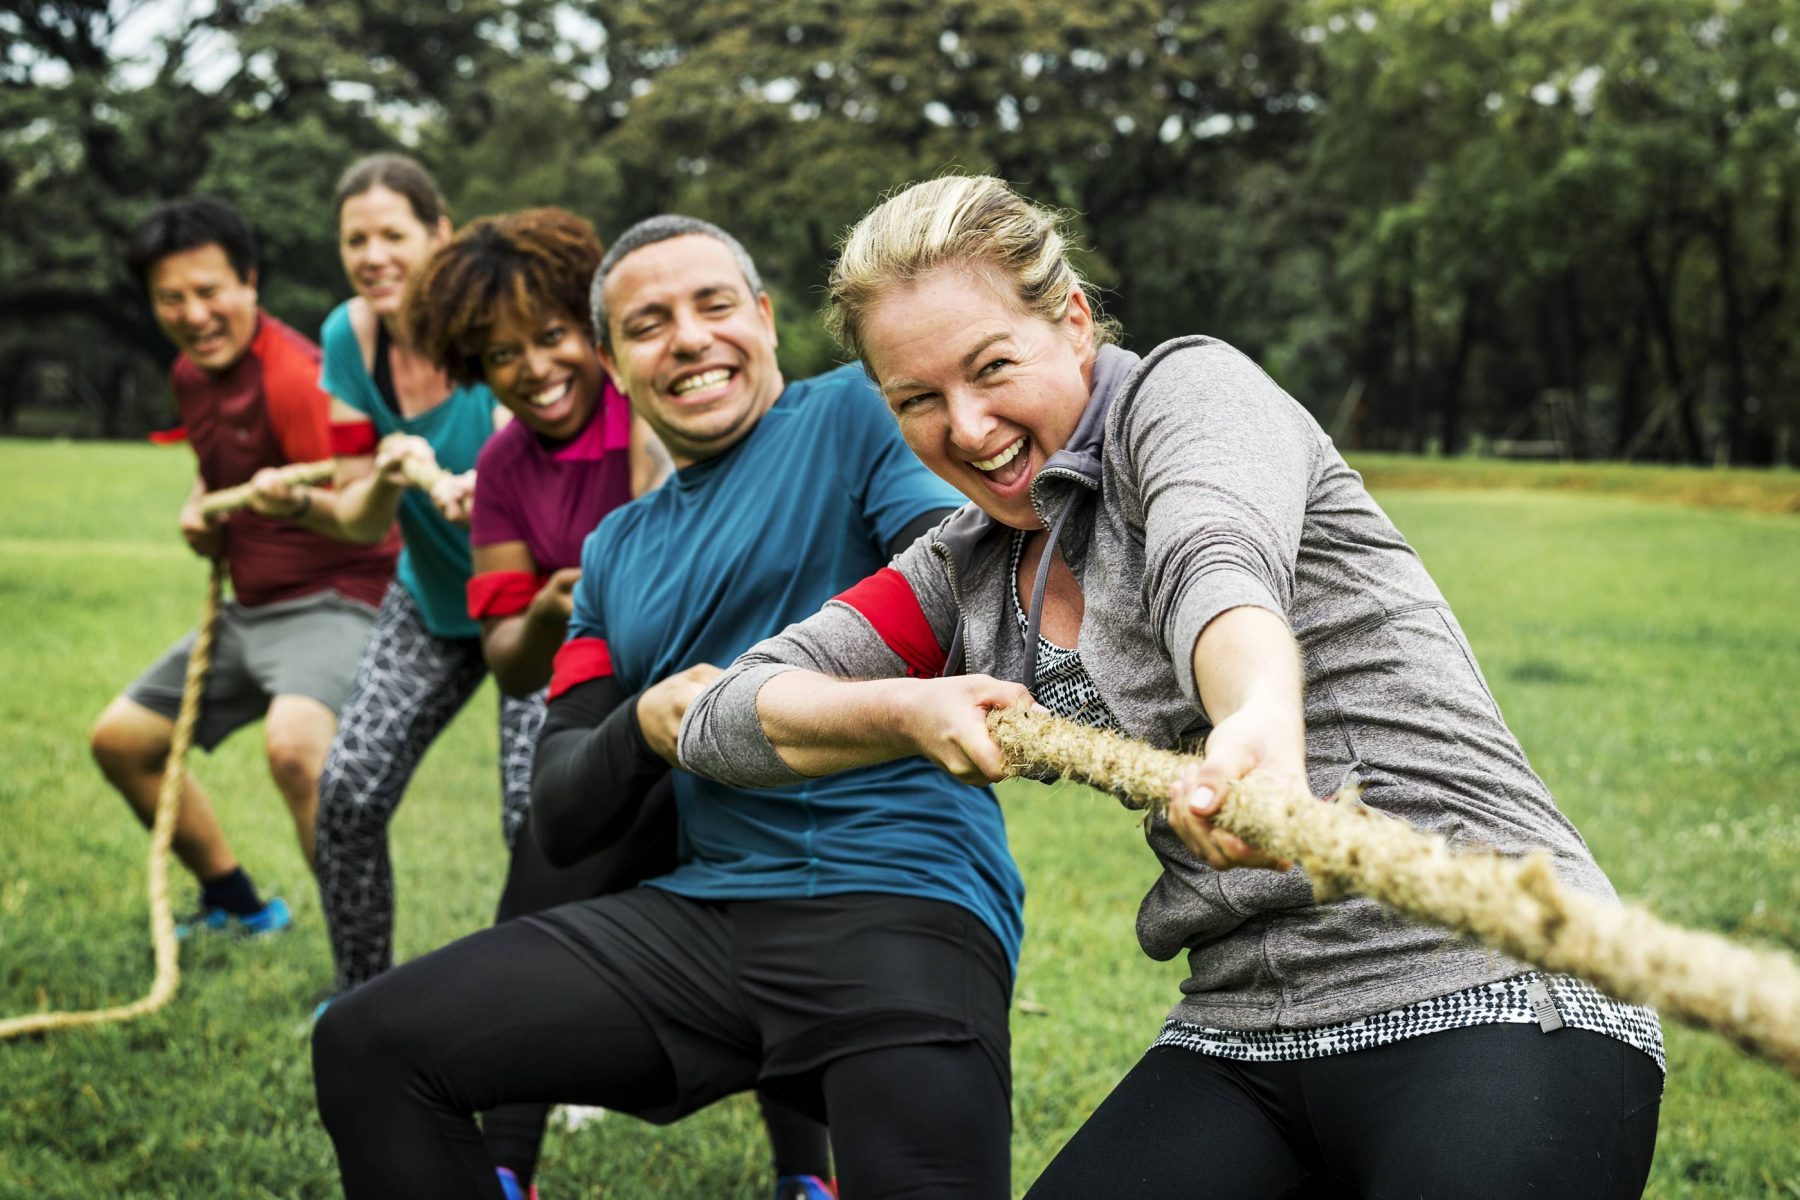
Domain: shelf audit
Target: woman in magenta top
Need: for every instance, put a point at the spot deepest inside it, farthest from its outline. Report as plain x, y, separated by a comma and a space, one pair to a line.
539, 498
505, 303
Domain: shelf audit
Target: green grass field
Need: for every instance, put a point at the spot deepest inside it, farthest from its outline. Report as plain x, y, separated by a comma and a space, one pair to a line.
1645, 653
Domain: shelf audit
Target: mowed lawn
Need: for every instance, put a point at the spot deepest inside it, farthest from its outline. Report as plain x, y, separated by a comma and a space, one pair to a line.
1645, 653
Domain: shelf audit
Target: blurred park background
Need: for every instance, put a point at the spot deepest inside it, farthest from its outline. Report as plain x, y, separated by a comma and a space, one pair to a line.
1530, 228
1551, 229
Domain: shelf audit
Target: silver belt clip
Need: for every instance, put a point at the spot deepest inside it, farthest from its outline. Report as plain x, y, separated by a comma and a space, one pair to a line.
1543, 1005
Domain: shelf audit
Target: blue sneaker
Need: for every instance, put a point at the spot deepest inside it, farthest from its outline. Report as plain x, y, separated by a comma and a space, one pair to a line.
272, 917
509, 1185
805, 1187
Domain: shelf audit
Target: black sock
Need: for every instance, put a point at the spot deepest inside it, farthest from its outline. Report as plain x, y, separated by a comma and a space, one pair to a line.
232, 892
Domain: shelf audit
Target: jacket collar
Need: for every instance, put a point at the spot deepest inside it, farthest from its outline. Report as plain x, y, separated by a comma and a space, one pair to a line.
1081, 456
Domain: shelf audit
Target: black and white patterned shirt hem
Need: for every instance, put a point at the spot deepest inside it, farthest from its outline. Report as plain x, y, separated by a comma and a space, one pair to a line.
1504, 1002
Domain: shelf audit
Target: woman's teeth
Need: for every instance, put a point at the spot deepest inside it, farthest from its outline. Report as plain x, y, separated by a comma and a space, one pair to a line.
1001, 459
702, 381
550, 395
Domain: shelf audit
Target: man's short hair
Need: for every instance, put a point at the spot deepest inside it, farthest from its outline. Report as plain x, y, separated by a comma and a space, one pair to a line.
648, 232
177, 225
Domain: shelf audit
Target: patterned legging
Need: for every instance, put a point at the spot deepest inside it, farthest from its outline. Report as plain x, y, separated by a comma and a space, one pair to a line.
409, 684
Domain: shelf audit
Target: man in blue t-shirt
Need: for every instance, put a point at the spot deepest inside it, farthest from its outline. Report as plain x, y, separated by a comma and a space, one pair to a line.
847, 944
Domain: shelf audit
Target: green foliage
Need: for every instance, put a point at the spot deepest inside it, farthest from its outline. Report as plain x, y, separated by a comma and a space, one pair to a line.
1653, 698
1541, 223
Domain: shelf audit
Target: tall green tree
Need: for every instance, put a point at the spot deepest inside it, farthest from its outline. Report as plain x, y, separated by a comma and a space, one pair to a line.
1439, 222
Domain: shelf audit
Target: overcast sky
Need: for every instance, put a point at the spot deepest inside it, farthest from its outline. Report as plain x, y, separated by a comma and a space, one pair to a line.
136, 50
135, 45
214, 58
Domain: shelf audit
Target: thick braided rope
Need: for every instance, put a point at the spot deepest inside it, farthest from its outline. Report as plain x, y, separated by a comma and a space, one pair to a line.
233, 498
225, 500
1751, 997
162, 834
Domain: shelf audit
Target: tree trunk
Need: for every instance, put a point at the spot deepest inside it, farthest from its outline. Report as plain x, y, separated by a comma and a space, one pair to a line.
1409, 333
1450, 400
1374, 365
107, 395
1631, 377
1687, 447
1738, 416
1575, 367
13, 366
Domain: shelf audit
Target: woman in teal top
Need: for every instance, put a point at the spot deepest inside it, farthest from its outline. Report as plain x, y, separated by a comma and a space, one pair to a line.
423, 659
434, 564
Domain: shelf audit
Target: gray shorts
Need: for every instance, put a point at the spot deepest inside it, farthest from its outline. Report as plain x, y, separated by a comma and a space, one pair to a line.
304, 647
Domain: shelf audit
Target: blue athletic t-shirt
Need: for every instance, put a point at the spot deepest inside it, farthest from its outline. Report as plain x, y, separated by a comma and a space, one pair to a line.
734, 549
435, 564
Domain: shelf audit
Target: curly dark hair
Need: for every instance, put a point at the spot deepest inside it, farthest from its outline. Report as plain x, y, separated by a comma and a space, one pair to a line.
529, 262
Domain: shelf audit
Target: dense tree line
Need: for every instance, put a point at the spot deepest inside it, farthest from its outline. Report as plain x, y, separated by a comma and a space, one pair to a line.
1537, 225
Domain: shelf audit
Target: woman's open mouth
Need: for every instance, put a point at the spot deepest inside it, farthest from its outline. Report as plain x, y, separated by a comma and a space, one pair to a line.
1007, 467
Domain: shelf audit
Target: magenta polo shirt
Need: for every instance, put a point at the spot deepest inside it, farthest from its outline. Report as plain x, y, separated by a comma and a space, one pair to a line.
551, 496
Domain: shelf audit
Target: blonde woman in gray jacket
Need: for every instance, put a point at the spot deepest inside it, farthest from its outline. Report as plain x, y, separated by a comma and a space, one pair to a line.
1171, 547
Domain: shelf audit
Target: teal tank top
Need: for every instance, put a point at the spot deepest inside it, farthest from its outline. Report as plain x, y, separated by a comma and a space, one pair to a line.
434, 565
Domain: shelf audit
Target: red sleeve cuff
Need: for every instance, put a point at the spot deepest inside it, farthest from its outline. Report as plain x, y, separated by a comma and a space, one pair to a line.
350, 439
502, 593
886, 601
580, 660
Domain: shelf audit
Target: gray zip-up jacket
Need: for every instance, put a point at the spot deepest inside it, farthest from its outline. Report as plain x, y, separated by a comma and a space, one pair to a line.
1197, 486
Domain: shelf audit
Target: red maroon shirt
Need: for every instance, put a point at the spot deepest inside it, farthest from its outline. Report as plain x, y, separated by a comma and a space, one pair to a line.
266, 410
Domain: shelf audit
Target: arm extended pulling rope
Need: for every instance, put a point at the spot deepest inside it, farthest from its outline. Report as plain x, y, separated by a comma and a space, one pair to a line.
1751, 997
162, 833
233, 498
420, 475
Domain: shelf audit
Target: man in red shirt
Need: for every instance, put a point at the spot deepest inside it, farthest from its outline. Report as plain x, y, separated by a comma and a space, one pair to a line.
287, 643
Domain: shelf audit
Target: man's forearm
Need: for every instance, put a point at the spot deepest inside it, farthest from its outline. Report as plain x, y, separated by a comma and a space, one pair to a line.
318, 513
592, 774
521, 650
819, 725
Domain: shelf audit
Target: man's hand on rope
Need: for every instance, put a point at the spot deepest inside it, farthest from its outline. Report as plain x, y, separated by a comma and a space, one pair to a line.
201, 531
274, 494
392, 455
661, 706
454, 496
946, 720
1251, 739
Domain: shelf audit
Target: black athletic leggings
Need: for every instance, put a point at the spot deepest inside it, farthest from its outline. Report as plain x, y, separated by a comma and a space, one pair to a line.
401, 1063
1499, 1111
